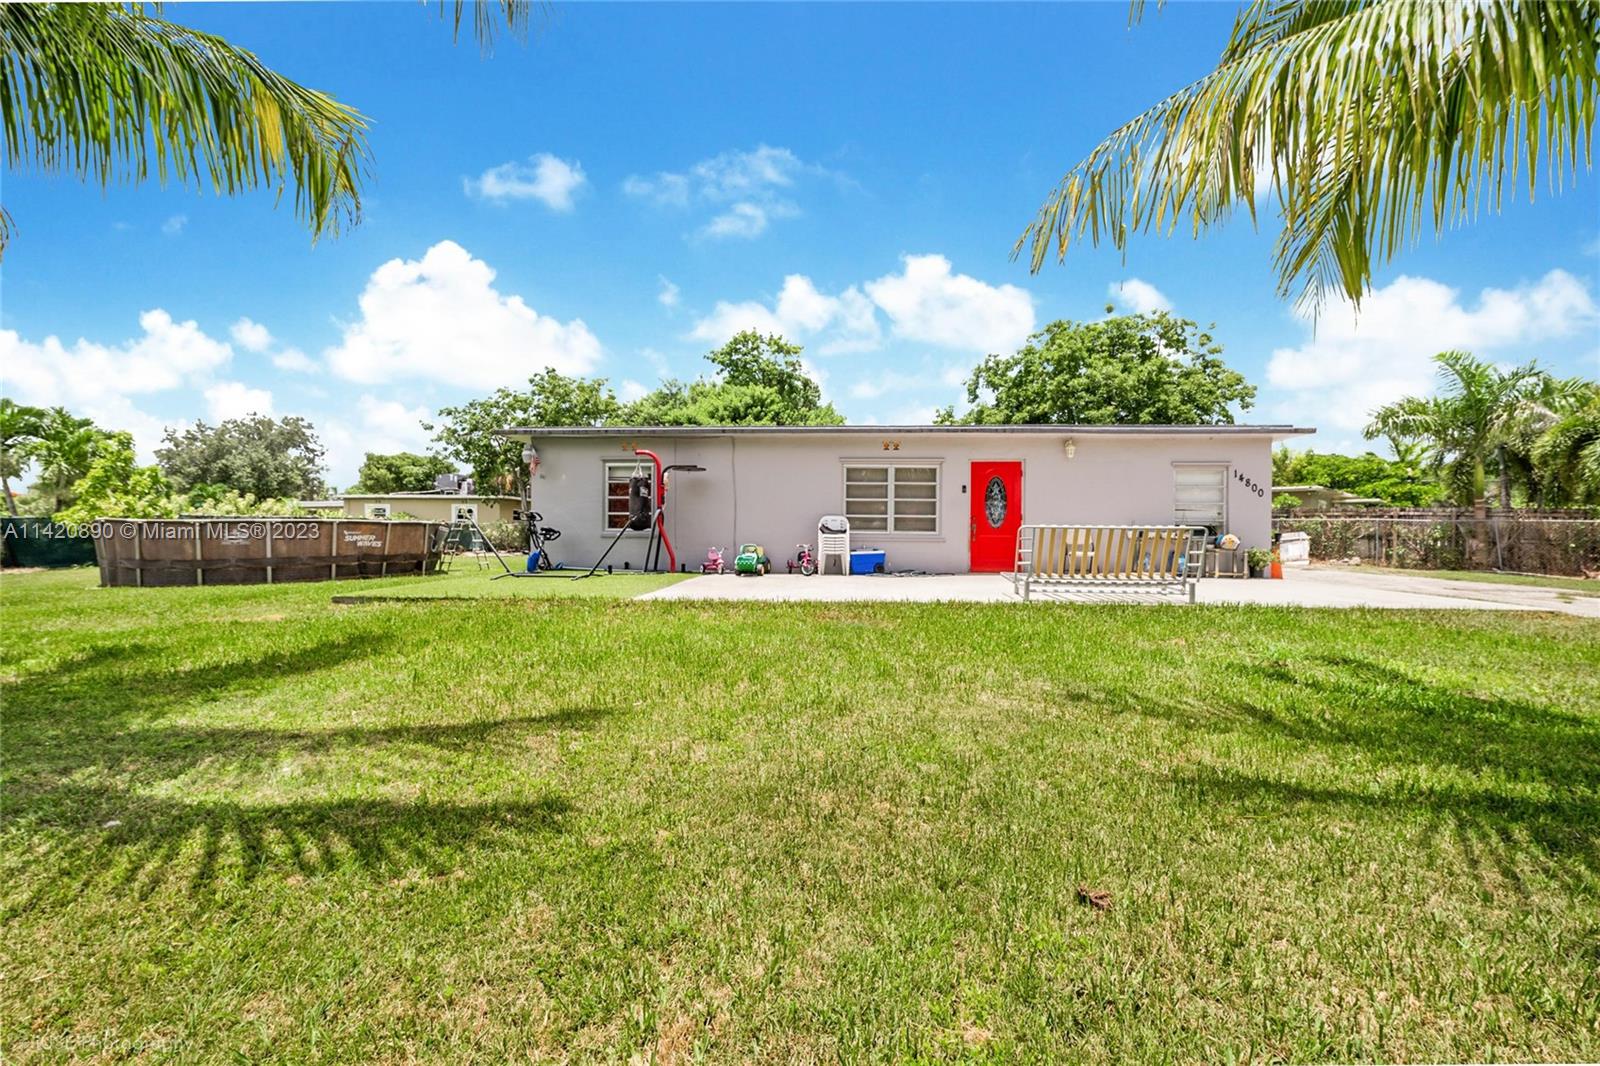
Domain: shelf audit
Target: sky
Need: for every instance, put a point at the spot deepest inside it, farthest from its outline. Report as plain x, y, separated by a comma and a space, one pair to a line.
633, 184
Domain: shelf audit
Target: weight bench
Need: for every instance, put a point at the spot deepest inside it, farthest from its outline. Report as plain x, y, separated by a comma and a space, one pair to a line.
1159, 559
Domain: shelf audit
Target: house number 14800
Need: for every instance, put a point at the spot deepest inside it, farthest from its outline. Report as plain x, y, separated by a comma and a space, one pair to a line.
1259, 490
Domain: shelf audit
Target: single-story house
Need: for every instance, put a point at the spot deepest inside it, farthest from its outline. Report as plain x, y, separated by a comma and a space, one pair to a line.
936, 498
431, 506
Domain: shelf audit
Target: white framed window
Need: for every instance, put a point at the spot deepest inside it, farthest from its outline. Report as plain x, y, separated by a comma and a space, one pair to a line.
464, 512
377, 510
616, 498
892, 497
1200, 495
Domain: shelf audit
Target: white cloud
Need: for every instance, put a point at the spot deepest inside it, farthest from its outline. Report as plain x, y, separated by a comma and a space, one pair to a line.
1351, 364
295, 361
927, 303
1138, 296
669, 294
741, 220
441, 318
543, 177
841, 323
99, 381
748, 189
233, 399
373, 425
667, 189
251, 336
630, 390
174, 225
887, 382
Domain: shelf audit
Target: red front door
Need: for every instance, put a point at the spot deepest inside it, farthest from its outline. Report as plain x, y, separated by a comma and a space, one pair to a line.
996, 491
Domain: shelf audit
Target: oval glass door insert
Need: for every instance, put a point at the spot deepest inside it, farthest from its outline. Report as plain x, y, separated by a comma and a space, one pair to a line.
994, 502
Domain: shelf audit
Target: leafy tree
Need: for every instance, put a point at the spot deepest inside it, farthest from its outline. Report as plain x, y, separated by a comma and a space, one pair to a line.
1468, 424
466, 432
20, 426
115, 486
221, 500
263, 457
110, 91
1567, 453
1143, 369
1373, 119
67, 446
1395, 482
759, 381
400, 472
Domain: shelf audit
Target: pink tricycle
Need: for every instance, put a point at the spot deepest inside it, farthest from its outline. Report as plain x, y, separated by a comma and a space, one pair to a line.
803, 560
713, 563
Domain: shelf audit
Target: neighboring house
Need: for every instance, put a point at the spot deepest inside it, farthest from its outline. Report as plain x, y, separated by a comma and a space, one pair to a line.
1321, 498
431, 506
937, 498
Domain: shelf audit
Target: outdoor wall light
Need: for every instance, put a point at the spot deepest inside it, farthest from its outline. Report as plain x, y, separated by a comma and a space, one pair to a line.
1071, 447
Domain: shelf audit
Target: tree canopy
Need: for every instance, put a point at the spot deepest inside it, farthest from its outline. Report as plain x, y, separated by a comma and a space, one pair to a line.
116, 486
20, 427
1395, 482
1130, 369
1371, 120
465, 432
759, 381
256, 455
400, 472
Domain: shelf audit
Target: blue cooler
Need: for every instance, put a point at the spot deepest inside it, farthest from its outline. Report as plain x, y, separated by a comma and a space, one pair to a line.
867, 561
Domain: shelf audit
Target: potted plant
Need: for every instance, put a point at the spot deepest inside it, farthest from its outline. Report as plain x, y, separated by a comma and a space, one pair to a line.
1258, 559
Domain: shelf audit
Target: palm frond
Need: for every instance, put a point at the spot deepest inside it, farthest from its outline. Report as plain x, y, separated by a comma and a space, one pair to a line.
110, 92
1376, 119
488, 16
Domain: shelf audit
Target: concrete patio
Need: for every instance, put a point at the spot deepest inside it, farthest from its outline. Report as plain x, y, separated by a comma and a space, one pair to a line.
1315, 587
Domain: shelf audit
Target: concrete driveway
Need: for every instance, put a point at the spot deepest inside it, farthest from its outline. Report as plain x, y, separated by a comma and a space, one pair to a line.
1299, 588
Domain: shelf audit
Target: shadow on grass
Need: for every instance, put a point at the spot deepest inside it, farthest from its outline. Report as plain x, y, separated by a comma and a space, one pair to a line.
1498, 773
148, 842
109, 682
81, 764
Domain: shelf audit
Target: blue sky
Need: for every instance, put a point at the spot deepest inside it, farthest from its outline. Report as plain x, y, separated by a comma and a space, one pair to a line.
637, 181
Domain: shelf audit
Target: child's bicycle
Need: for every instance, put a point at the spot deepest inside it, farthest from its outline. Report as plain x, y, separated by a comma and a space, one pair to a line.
714, 563
803, 560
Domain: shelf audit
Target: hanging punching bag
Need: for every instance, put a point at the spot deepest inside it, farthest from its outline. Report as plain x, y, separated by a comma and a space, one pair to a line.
640, 506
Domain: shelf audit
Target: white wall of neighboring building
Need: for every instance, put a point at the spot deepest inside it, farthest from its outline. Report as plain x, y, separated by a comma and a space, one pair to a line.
771, 489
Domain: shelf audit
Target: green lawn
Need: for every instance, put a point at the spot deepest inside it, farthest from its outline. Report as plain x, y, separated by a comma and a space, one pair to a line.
246, 824
1568, 584
466, 581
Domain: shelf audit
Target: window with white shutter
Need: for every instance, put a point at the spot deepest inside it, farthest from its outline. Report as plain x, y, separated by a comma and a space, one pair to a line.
1200, 495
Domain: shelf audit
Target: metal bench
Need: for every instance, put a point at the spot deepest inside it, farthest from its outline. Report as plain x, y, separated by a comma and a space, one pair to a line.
1159, 559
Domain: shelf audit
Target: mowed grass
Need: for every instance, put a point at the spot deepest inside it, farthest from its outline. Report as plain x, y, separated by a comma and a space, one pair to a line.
246, 824
1583, 585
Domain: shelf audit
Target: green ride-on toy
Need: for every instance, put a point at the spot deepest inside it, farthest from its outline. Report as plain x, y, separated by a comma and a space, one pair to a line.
752, 559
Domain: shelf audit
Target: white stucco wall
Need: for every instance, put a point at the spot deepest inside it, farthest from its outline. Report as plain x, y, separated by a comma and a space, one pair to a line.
772, 489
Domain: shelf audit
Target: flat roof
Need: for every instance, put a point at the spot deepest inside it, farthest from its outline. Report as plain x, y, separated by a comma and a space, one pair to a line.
778, 431
425, 496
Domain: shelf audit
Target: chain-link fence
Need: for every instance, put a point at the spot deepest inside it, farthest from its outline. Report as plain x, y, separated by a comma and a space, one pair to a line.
1533, 544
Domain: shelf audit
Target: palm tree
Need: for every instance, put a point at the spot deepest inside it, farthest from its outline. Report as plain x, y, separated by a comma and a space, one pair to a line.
1567, 454
64, 451
20, 426
1468, 424
110, 92
1371, 119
